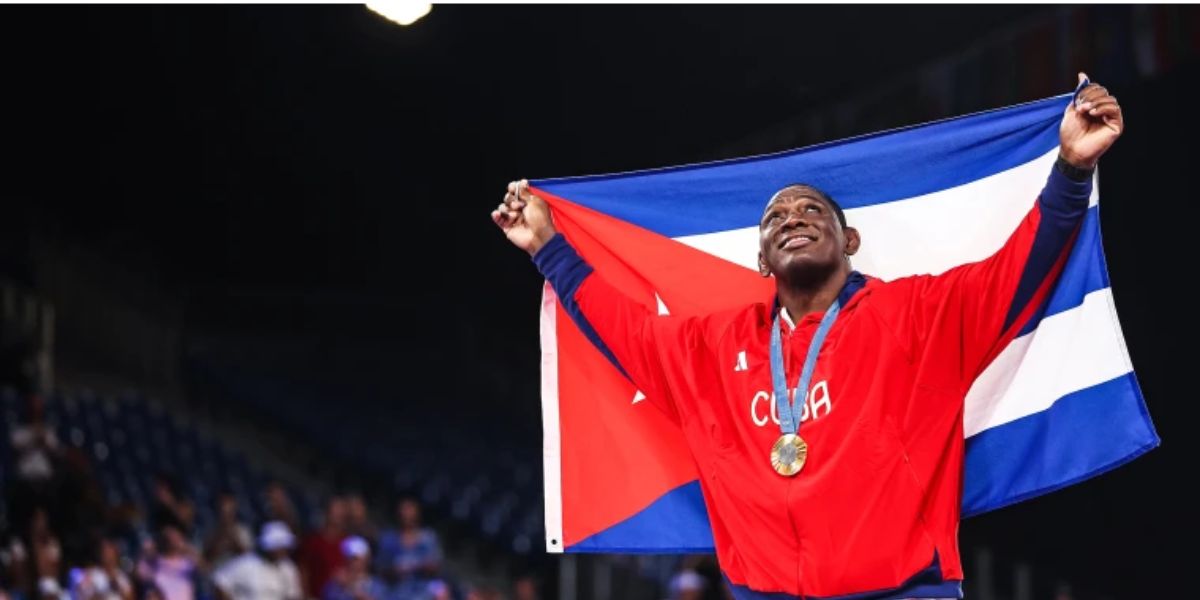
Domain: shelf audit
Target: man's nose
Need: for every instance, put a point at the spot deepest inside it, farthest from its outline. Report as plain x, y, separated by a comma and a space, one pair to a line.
793, 220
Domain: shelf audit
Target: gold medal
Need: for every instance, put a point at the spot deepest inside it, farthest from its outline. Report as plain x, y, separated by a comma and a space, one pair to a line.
789, 454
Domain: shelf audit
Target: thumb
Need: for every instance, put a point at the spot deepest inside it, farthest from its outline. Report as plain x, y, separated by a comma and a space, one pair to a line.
1082, 77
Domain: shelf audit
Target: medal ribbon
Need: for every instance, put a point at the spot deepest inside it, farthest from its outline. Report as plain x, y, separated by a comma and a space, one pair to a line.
789, 417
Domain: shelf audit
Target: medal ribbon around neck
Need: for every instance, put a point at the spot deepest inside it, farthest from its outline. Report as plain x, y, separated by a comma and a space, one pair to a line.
789, 414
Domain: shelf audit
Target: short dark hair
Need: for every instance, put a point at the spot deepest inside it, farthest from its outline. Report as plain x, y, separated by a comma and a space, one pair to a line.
819, 193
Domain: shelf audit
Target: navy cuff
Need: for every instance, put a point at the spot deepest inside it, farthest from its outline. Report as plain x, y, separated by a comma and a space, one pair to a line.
553, 252
559, 263
1065, 196
1072, 172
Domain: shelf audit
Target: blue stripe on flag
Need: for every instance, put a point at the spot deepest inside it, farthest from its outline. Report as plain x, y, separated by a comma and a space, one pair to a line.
1084, 273
675, 523
1082, 435
857, 172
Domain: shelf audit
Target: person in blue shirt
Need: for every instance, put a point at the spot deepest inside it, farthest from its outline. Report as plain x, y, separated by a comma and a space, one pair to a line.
410, 552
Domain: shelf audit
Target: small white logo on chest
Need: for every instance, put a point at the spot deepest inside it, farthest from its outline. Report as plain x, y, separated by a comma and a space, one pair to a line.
741, 362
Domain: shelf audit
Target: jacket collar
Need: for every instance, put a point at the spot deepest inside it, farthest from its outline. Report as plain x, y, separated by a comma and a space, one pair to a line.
855, 281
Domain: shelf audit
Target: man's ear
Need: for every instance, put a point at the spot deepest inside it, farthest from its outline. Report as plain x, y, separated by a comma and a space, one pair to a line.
853, 240
763, 269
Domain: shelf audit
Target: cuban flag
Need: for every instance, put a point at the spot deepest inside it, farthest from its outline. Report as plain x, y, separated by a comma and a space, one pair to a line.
1058, 405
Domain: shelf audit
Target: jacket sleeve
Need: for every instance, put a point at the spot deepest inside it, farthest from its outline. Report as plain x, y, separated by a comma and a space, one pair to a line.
964, 317
629, 334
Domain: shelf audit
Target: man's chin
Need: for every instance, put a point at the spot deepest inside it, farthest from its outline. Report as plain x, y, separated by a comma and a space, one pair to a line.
805, 270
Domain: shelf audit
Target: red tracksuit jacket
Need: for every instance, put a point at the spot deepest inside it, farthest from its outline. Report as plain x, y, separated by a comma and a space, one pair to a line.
876, 509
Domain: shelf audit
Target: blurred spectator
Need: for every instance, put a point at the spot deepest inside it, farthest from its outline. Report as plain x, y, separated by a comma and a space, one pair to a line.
352, 581
525, 588
358, 521
265, 575
104, 579
438, 589
484, 593
410, 551
14, 557
169, 508
49, 589
36, 453
229, 537
151, 592
35, 445
321, 551
45, 551
280, 507
170, 566
127, 525
687, 584
80, 521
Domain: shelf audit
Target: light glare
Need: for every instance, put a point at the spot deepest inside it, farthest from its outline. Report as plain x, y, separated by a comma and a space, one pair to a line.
402, 13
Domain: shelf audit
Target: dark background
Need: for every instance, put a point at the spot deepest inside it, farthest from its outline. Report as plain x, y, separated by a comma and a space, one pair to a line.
316, 181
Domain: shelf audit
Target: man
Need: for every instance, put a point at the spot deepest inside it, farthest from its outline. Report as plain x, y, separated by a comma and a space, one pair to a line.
229, 537
103, 579
410, 553
863, 500
169, 566
358, 520
321, 550
353, 581
279, 505
265, 575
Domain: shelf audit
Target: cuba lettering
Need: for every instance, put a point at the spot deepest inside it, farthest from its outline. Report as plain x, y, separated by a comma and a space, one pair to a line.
816, 405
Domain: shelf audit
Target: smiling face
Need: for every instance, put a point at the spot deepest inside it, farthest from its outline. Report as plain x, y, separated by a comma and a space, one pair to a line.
801, 238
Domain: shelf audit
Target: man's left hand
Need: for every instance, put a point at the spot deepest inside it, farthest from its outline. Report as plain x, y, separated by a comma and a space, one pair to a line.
1090, 126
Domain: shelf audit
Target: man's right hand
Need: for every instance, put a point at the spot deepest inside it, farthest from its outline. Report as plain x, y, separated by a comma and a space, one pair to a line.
524, 218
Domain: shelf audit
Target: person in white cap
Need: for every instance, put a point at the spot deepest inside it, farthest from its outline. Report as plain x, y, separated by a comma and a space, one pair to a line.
268, 574
352, 581
687, 585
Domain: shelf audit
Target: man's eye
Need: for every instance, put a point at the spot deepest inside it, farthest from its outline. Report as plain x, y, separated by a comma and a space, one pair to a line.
813, 209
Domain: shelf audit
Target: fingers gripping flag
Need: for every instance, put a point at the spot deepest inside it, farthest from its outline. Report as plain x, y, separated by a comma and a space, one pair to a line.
1058, 405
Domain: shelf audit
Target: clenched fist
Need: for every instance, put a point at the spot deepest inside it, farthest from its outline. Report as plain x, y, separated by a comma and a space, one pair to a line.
1090, 126
524, 218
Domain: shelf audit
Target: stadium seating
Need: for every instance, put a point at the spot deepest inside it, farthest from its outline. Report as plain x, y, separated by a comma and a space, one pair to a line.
129, 440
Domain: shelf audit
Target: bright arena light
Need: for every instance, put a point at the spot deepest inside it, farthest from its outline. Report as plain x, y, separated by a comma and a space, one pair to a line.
402, 13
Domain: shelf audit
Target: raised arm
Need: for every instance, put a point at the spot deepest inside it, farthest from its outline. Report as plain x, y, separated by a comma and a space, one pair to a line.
629, 334
976, 308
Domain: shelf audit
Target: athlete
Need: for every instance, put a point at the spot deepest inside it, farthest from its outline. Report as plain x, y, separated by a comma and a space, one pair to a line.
857, 492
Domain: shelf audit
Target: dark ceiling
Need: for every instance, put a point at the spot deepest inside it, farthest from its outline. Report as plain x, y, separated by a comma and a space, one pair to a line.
304, 147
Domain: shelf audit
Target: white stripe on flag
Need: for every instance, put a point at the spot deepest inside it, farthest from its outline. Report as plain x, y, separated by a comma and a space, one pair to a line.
924, 234
936, 232
551, 443
1070, 351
